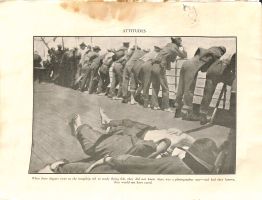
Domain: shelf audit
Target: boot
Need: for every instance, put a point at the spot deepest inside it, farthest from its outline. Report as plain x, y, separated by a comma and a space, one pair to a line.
177, 113
124, 100
203, 119
184, 114
133, 101
193, 117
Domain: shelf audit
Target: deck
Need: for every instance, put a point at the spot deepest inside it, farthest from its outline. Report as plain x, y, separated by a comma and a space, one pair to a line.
54, 105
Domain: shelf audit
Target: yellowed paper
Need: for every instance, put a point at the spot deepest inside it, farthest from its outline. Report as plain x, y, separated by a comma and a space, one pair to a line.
20, 21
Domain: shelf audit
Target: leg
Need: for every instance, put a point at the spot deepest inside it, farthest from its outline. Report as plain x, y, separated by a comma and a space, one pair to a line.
190, 83
104, 118
146, 74
114, 83
91, 82
125, 84
133, 87
155, 86
180, 93
82, 83
135, 76
106, 81
119, 75
209, 90
75, 123
85, 80
139, 165
165, 90
100, 83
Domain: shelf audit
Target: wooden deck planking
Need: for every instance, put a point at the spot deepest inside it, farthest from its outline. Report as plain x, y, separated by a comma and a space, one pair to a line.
54, 105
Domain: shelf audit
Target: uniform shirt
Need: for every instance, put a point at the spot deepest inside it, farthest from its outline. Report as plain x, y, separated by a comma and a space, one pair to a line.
85, 59
120, 53
149, 56
71, 57
129, 54
82, 53
121, 137
213, 52
95, 60
216, 51
168, 54
107, 59
209, 56
134, 58
59, 55
136, 55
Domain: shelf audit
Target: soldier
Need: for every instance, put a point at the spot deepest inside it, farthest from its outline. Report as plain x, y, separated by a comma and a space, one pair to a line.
95, 63
162, 63
200, 158
220, 71
120, 58
85, 70
58, 78
137, 79
64, 68
127, 74
202, 60
52, 57
48, 66
144, 73
104, 78
37, 67
70, 61
81, 52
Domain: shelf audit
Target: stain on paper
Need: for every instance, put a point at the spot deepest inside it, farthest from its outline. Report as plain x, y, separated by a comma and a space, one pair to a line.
110, 10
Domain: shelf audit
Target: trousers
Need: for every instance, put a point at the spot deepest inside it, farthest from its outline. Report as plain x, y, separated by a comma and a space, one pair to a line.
159, 79
85, 80
146, 78
117, 79
94, 76
187, 81
104, 79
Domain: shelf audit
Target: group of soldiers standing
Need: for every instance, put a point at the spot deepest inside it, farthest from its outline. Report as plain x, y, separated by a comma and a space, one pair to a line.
135, 69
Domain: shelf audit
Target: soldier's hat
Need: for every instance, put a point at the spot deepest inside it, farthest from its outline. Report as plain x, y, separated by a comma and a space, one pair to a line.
126, 44
204, 151
223, 49
96, 48
176, 39
157, 48
59, 46
82, 44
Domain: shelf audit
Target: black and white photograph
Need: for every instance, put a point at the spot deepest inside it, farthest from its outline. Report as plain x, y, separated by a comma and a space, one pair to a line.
134, 105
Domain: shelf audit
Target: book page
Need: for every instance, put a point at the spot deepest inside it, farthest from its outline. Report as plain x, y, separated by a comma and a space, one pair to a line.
130, 100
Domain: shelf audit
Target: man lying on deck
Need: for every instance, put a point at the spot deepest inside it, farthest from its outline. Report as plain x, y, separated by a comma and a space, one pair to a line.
200, 158
127, 137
